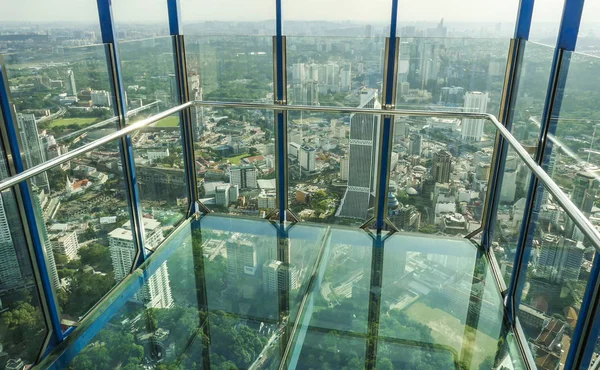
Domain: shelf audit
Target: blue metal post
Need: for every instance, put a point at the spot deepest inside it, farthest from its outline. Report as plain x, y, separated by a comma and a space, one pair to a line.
28, 204
567, 38
509, 97
107, 29
389, 102
587, 330
185, 116
280, 116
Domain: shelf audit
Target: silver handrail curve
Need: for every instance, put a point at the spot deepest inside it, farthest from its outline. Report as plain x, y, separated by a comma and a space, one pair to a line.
36, 170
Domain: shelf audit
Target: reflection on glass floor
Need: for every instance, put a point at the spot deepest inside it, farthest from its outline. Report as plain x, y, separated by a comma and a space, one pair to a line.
244, 295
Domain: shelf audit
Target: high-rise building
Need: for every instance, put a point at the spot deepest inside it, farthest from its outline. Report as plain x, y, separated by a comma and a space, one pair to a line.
344, 168
50, 262
441, 167
222, 195
363, 157
32, 146
67, 244
101, 98
472, 128
278, 277
586, 187
71, 86
245, 177
346, 77
416, 144
156, 293
10, 268
306, 93
243, 258
560, 259
307, 158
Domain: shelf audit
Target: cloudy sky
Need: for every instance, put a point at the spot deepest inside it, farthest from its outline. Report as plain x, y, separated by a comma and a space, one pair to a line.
356, 10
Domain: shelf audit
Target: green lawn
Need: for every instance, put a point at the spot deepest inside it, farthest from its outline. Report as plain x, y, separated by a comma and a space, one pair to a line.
448, 330
172, 121
63, 122
237, 159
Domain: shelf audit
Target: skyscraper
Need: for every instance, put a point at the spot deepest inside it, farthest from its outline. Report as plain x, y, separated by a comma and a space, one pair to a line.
156, 292
586, 187
10, 269
416, 144
441, 169
560, 259
32, 146
363, 157
71, 86
50, 263
472, 129
307, 158
244, 177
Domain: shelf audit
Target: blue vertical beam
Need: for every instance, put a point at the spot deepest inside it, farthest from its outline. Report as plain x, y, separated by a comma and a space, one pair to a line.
108, 32
280, 116
506, 115
185, 116
587, 329
389, 102
567, 39
28, 204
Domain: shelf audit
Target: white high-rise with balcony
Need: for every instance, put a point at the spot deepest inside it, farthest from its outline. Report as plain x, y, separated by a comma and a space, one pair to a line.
472, 129
156, 292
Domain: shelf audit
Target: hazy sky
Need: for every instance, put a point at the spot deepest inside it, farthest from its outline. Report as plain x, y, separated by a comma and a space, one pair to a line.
355, 10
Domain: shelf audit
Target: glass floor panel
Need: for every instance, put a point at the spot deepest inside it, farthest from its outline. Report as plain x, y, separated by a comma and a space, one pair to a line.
233, 293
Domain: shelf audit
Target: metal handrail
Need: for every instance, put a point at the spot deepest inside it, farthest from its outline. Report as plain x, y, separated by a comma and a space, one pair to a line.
36, 170
561, 198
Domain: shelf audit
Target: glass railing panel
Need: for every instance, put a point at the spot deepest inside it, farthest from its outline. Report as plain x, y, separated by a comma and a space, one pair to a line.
230, 17
332, 71
513, 190
531, 92
332, 164
23, 326
62, 97
149, 80
316, 18
335, 318
164, 320
545, 21
439, 174
130, 23
454, 74
85, 227
554, 283
439, 299
235, 161
160, 173
230, 68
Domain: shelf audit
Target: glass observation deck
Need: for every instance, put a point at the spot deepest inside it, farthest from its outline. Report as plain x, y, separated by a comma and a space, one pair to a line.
286, 184
247, 295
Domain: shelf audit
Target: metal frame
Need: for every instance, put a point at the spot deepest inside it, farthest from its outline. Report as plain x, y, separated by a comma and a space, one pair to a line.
25, 203
108, 33
185, 115
556, 84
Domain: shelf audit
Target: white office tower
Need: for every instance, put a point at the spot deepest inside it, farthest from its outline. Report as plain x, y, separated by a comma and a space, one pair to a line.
101, 98
278, 277
363, 158
346, 77
32, 146
156, 292
71, 86
332, 77
308, 158
222, 195
472, 129
299, 73
245, 177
